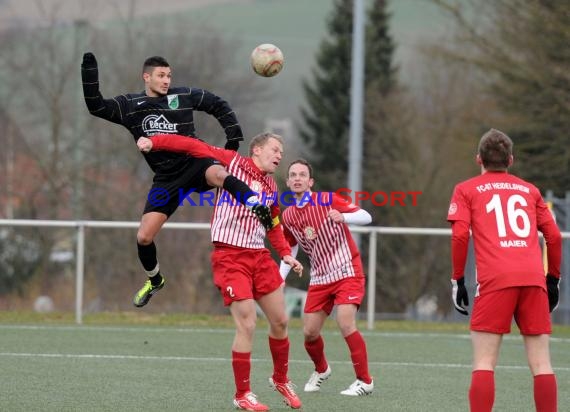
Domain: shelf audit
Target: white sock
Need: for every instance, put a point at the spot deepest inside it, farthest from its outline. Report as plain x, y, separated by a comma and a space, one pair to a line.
151, 273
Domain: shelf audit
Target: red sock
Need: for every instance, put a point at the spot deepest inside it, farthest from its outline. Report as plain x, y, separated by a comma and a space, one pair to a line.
545, 393
241, 364
359, 357
482, 391
316, 351
280, 353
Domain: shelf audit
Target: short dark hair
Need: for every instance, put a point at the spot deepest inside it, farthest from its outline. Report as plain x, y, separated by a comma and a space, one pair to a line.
154, 61
495, 150
301, 161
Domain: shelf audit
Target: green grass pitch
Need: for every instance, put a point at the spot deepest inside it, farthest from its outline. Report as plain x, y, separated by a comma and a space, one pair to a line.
177, 365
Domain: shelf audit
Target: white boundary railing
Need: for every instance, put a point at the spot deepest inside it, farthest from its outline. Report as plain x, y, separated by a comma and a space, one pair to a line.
80, 226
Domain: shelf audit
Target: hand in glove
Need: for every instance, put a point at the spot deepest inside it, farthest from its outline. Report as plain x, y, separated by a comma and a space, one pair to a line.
90, 81
89, 61
232, 144
459, 296
553, 288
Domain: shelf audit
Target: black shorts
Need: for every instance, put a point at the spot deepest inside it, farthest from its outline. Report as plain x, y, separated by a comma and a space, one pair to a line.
168, 191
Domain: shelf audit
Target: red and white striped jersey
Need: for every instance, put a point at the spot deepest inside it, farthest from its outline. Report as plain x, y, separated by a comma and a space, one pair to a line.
232, 223
330, 247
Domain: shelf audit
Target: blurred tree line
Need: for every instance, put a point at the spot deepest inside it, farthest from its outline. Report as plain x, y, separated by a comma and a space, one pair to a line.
505, 65
61, 163
522, 48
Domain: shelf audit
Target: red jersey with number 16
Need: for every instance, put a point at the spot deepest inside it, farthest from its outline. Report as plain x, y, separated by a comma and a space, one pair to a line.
504, 213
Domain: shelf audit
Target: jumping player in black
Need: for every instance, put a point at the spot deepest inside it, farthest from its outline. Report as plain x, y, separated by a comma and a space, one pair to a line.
164, 109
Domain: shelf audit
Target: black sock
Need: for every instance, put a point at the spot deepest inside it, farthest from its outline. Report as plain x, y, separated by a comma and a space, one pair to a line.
147, 256
156, 279
238, 189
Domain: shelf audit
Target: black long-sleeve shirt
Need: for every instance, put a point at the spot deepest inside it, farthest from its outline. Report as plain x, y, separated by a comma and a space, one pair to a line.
146, 116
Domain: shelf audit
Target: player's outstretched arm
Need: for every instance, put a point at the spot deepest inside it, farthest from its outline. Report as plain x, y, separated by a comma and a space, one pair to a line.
224, 114
96, 104
90, 80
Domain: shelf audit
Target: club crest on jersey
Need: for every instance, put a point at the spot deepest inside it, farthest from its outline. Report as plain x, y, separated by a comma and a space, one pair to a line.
310, 233
153, 124
172, 101
452, 209
256, 186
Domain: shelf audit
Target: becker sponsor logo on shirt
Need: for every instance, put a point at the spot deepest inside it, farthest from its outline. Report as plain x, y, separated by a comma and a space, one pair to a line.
153, 124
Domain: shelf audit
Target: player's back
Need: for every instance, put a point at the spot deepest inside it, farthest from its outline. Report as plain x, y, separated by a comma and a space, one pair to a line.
505, 212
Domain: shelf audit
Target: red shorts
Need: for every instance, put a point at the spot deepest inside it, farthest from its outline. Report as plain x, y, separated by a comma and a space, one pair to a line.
493, 312
325, 297
241, 273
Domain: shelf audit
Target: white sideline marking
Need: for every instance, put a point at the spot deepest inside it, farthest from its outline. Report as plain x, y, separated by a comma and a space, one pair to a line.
226, 360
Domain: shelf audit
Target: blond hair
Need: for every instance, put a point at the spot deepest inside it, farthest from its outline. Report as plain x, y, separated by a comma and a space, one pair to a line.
261, 139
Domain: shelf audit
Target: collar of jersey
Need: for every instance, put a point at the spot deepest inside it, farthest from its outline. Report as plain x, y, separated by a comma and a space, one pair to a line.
305, 200
254, 166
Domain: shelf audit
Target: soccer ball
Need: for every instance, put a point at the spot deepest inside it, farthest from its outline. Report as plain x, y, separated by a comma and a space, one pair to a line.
267, 60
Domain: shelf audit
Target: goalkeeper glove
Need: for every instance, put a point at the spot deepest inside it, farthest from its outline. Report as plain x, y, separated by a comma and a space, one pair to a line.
553, 288
232, 144
459, 296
